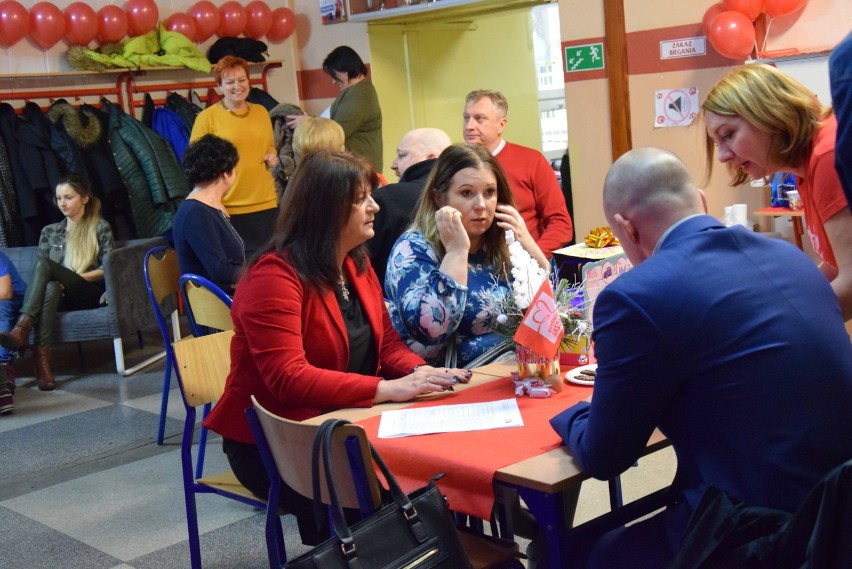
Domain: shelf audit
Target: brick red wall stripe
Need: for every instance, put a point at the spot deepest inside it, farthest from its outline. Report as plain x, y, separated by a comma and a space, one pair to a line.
316, 84
643, 53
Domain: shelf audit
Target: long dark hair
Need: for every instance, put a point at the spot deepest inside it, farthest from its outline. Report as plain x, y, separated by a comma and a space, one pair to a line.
316, 207
451, 161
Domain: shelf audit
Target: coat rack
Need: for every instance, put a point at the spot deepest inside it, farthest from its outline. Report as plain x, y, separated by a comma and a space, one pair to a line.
133, 89
125, 91
116, 93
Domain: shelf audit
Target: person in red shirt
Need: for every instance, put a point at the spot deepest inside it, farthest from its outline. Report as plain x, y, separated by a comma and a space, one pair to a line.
761, 121
537, 194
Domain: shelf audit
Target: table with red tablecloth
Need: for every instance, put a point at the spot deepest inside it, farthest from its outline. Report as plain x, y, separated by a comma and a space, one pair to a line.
527, 460
469, 459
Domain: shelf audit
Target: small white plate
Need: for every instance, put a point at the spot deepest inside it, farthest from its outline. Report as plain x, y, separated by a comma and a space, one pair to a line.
571, 375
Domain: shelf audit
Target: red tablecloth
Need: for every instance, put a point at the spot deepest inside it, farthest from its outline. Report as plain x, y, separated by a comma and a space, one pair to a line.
470, 459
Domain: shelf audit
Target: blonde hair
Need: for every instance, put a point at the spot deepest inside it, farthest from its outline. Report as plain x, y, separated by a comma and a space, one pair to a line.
772, 102
81, 241
451, 161
497, 99
317, 133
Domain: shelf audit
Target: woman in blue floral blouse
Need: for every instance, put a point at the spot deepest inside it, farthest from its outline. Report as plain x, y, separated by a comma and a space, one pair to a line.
455, 247
68, 274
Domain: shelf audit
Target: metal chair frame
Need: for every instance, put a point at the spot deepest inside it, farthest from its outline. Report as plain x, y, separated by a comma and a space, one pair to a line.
203, 365
202, 299
352, 454
162, 274
208, 310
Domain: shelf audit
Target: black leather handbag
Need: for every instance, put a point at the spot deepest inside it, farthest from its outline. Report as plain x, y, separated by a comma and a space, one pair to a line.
413, 531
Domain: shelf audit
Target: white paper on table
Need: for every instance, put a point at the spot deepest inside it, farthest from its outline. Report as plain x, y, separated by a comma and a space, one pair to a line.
501, 414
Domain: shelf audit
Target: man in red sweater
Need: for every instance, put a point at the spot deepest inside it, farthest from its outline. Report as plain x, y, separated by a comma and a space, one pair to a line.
537, 194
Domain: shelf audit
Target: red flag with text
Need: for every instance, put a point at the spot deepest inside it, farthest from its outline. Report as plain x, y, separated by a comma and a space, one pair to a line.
541, 329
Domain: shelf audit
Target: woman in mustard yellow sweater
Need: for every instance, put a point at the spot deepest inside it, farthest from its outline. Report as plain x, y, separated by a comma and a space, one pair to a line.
251, 203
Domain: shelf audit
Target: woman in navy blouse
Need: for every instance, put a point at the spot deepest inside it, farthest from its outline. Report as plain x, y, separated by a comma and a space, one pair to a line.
205, 241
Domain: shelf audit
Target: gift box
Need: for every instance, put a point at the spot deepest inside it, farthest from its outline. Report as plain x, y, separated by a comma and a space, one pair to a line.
578, 352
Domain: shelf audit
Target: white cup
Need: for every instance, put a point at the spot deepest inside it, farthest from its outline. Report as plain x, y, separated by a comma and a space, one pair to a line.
795, 202
739, 214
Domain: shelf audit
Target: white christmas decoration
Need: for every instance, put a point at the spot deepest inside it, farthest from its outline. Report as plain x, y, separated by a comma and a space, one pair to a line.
527, 274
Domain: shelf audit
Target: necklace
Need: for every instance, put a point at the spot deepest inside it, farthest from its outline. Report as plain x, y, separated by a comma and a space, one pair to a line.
344, 290
234, 113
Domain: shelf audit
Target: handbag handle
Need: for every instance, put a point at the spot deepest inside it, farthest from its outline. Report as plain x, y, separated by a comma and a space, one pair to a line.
322, 441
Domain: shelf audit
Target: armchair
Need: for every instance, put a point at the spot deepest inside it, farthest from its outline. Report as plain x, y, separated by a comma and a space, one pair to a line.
127, 311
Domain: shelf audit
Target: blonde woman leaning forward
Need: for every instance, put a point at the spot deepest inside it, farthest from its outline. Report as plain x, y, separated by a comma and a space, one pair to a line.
761, 121
252, 202
68, 274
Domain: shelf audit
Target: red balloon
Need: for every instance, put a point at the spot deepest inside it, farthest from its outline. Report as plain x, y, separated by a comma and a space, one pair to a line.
751, 9
232, 19
710, 15
47, 24
205, 14
732, 34
283, 25
81, 24
783, 7
14, 23
112, 24
258, 19
142, 16
182, 24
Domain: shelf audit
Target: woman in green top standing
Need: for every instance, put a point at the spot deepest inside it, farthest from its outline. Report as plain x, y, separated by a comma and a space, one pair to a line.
356, 108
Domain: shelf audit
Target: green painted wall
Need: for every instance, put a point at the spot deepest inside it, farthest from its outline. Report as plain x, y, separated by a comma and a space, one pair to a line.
422, 75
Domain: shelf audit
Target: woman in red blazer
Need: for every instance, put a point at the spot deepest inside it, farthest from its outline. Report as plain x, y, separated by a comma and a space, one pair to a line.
311, 332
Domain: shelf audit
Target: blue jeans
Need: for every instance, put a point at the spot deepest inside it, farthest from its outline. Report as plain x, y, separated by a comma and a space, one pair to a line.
9, 310
840, 71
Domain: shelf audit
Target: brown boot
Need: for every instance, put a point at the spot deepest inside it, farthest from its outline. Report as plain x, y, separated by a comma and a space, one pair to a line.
44, 377
19, 336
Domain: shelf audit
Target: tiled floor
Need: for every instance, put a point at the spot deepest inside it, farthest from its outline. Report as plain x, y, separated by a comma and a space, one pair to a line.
84, 485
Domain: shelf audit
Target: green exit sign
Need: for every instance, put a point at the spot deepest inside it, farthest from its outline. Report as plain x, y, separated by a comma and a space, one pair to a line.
584, 57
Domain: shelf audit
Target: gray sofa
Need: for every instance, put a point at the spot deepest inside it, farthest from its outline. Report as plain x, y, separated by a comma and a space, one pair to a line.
128, 309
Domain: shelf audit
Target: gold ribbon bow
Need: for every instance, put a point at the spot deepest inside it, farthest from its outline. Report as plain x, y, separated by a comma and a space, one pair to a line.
600, 237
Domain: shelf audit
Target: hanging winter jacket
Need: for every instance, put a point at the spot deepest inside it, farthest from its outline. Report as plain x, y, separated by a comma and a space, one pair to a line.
172, 128
185, 108
86, 130
11, 233
24, 194
150, 170
32, 132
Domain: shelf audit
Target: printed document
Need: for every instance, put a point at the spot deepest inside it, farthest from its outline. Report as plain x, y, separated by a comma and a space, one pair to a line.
501, 414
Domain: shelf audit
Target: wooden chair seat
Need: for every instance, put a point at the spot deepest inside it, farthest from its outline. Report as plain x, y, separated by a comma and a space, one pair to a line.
228, 482
202, 367
287, 449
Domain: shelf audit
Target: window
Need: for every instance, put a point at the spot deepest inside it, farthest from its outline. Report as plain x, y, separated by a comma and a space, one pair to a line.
547, 46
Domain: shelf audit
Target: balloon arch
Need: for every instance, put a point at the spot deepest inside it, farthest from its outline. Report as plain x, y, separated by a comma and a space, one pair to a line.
79, 24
